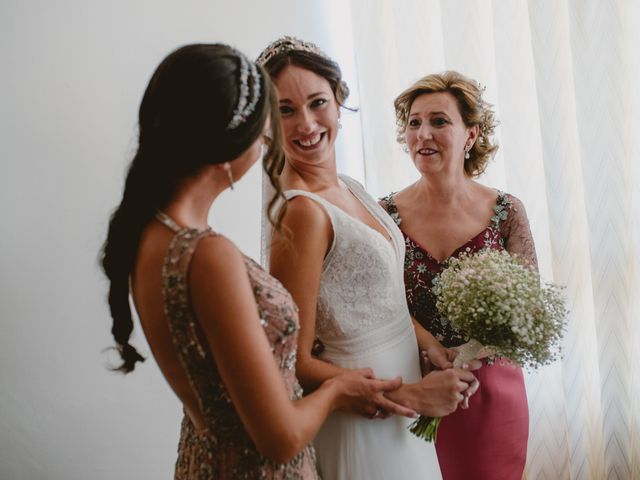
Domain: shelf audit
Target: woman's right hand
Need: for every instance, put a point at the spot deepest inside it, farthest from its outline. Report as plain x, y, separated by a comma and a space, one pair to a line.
361, 393
438, 393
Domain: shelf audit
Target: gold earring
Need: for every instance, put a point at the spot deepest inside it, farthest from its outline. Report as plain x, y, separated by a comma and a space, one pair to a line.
229, 174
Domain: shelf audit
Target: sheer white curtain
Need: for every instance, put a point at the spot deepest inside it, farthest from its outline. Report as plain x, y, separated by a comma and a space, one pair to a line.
564, 78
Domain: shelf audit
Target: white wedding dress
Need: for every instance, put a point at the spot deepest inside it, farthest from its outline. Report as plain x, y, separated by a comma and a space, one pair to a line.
363, 321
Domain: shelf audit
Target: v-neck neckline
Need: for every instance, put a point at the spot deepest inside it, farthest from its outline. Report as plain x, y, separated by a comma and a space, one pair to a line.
492, 224
452, 254
389, 239
389, 236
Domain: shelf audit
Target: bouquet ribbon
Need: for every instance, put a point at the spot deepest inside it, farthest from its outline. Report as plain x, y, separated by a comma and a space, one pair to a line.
467, 352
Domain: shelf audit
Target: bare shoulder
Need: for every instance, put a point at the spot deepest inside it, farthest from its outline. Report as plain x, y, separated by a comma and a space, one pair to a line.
306, 215
219, 281
215, 256
306, 233
488, 196
403, 198
484, 193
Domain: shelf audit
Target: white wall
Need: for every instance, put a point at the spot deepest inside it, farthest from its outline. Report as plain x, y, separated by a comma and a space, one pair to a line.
73, 74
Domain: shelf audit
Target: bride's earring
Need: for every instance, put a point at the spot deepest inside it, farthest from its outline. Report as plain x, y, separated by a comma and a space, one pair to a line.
227, 167
466, 152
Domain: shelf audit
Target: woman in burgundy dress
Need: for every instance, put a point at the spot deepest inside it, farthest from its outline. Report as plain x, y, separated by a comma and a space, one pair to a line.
446, 127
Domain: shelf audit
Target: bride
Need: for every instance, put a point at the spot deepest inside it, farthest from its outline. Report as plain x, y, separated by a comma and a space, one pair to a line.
341, 257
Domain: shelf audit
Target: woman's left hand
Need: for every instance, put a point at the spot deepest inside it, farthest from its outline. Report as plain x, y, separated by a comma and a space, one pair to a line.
441, 357
473, 388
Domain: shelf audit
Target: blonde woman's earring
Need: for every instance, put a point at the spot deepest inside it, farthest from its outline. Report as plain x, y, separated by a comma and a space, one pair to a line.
227, 167
466, 152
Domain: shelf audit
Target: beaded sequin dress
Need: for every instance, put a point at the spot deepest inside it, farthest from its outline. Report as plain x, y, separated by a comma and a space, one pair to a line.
224, 450
362, 320
488, 441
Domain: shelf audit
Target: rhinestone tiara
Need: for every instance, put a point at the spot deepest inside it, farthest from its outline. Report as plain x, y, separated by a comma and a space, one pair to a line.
289, 44
245, 107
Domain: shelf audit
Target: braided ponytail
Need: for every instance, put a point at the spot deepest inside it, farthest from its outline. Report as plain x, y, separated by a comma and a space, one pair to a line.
138, 206
183, 122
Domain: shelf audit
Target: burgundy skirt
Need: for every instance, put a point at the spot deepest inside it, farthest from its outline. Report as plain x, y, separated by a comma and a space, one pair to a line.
488, 441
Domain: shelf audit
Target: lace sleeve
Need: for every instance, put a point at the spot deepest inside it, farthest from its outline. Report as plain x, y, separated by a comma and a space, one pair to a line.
517, 234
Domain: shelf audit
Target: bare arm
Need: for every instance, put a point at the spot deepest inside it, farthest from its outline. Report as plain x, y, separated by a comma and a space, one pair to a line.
438, 393
225, 307
441, 391
297, 261
440, 356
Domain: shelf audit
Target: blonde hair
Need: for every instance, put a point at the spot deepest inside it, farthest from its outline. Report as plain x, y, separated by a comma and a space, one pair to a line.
473, 110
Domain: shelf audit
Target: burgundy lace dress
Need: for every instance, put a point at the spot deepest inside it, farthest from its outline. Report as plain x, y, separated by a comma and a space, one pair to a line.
224, 450
489, 440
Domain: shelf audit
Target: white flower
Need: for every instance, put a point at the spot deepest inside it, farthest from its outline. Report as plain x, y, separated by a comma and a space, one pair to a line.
495, 299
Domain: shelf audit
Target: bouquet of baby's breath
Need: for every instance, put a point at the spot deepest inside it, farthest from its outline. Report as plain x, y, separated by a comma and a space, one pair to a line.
500, 304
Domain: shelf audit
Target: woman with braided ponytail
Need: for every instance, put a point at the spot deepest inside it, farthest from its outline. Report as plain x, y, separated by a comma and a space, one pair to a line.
203, 305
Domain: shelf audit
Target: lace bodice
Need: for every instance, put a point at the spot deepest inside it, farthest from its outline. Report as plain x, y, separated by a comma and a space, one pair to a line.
225, 450
361, 300
508, 229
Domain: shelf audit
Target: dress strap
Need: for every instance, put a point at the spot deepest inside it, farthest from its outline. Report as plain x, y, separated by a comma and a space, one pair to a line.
325, 204
175, 289
167, 221
501, 210
391, 208
332, 212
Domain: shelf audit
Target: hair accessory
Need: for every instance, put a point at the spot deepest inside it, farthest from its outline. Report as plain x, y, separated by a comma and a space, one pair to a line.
487, 123
289, 44
482, 105
245, 107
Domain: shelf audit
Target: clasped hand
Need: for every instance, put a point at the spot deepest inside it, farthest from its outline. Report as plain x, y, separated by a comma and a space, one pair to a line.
440, 391
363, 394
438, 358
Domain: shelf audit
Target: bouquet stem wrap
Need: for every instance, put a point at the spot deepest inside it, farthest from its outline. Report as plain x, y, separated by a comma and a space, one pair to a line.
467, 352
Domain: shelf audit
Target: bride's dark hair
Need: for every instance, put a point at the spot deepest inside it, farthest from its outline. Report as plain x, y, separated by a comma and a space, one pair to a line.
183, 126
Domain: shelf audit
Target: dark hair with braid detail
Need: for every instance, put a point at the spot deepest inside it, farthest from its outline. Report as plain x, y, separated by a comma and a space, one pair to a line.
183, 127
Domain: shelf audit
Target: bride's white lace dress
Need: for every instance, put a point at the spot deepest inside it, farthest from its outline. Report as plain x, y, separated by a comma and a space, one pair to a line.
363, 321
